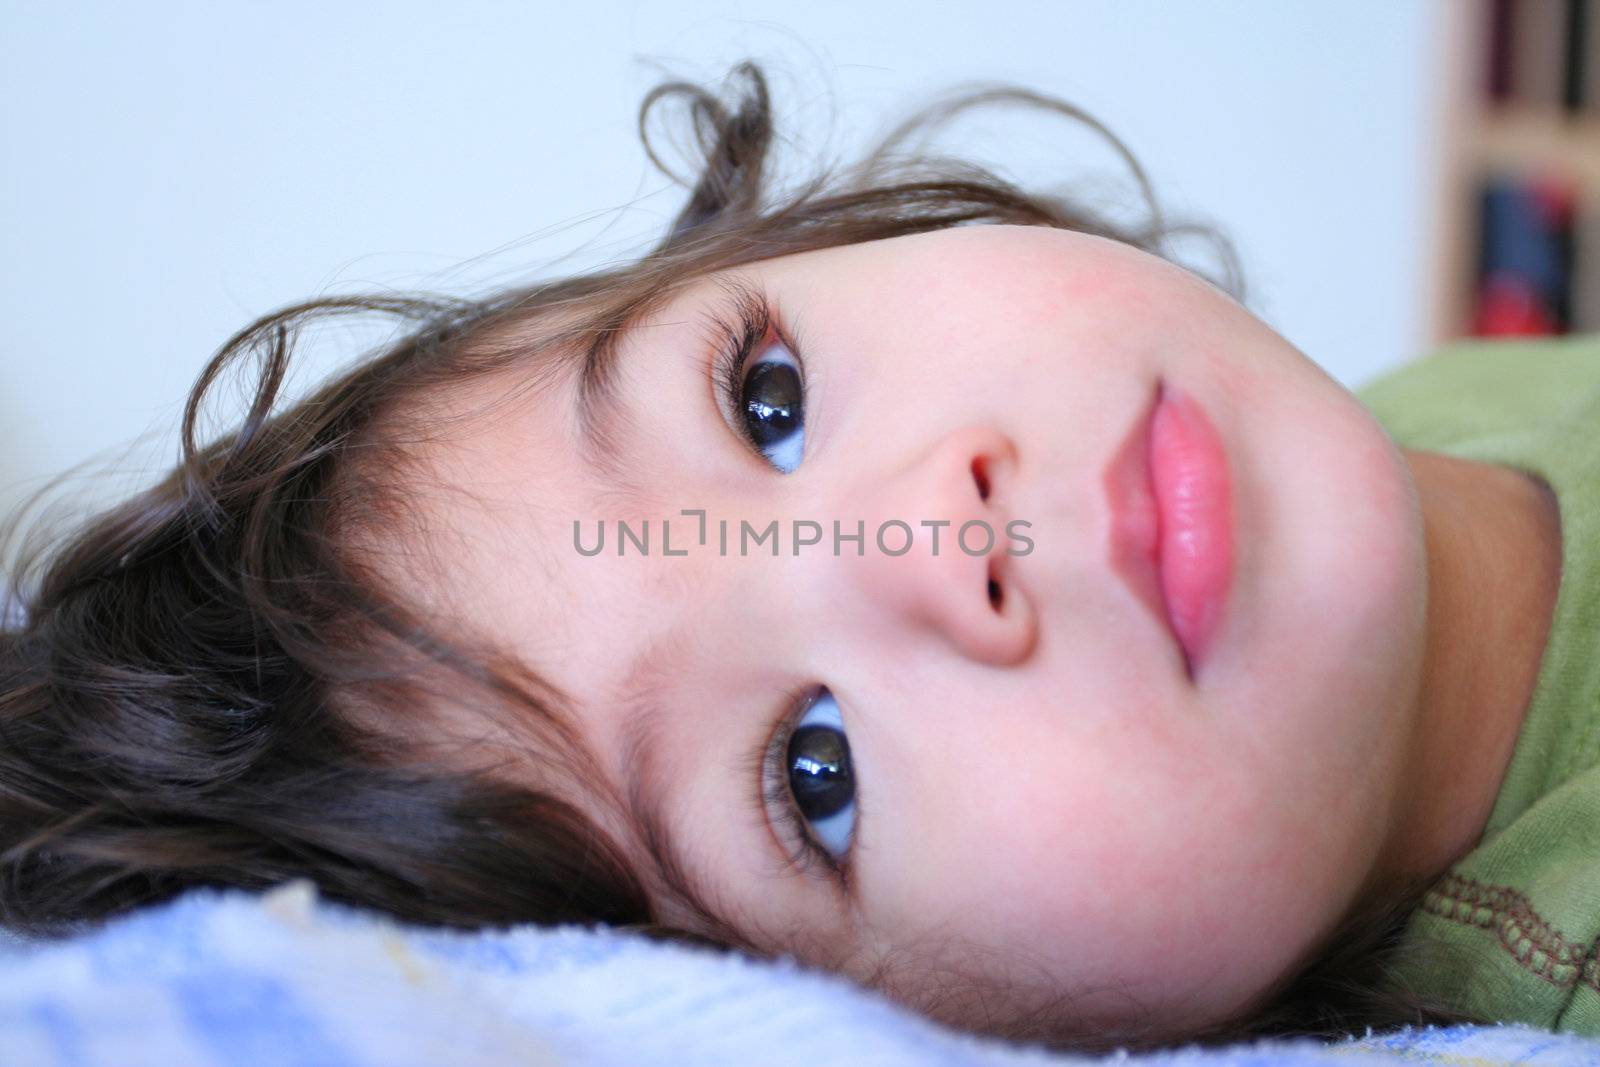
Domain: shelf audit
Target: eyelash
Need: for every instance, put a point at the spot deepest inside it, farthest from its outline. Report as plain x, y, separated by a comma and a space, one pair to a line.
752, 319
772, 788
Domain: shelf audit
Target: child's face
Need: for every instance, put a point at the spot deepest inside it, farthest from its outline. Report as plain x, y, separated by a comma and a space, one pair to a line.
1044, 802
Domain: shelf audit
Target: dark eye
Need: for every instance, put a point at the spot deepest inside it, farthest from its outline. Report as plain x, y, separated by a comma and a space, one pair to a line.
820, 776
772, 409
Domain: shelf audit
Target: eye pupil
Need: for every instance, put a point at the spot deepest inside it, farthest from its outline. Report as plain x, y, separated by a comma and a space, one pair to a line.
819, 771
772, 401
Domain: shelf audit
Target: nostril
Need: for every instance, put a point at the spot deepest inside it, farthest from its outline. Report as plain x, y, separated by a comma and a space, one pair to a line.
980, 476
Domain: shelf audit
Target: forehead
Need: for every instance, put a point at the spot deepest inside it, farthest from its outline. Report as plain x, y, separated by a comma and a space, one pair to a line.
496, 491
493, 488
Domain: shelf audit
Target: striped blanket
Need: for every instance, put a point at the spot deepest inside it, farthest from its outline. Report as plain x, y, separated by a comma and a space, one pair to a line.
286, 978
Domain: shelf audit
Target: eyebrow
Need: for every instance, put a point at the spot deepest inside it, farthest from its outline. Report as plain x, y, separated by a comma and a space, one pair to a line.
644, 781
597, 399
598, 404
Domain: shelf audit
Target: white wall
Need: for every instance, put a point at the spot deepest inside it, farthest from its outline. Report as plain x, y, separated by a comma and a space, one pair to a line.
170, 170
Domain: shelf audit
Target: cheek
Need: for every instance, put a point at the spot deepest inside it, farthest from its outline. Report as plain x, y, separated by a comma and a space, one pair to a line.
1330, 655
1140, 866
1022, 305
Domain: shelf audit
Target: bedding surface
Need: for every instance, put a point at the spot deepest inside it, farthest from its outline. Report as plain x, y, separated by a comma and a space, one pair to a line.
284, 977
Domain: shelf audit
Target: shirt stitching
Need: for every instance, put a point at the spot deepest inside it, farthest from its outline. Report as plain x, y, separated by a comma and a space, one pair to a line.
1537, 946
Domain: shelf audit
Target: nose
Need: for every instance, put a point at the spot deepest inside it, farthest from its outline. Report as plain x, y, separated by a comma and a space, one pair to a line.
934, 555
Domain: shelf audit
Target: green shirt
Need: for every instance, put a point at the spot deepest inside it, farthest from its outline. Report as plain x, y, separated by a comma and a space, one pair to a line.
1521, 911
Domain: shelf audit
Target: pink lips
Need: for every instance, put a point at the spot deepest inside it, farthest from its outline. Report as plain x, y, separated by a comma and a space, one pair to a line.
1172, 519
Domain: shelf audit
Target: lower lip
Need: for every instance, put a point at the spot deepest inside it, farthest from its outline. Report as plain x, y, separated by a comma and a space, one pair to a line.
1194, 495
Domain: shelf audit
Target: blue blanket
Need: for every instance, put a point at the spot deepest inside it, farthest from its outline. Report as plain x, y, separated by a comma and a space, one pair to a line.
285, 978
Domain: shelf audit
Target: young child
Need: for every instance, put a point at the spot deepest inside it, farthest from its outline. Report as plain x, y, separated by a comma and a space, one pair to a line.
914, 575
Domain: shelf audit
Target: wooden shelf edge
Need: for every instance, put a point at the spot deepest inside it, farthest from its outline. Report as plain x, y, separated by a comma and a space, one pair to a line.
1525, 141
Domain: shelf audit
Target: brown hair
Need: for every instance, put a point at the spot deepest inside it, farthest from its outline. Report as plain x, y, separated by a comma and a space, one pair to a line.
211, 685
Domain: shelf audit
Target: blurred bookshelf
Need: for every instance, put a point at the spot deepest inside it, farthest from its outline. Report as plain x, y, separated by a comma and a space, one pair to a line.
1518, 229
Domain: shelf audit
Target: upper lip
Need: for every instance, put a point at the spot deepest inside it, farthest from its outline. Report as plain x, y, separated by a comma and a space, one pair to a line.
1134, 535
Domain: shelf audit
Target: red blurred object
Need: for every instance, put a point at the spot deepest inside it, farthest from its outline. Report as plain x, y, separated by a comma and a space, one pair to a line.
1557, 198
1509, 307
